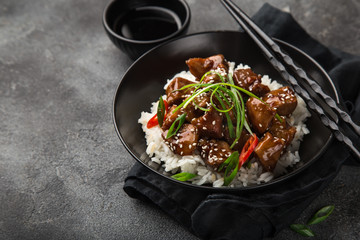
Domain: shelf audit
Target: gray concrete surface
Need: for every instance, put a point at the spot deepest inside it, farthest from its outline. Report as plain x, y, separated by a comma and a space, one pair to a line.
62, 165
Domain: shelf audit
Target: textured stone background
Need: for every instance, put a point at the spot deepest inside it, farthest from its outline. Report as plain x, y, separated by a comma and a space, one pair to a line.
62, 165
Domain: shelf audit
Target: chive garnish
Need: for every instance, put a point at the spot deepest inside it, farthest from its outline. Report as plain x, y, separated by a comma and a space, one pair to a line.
161, 111
302, 229
321, 215
183, 176
179, 121
318, 217
228, 119
232, 165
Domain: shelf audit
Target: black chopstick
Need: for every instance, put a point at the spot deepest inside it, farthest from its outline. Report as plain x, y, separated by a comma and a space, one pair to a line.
278, 59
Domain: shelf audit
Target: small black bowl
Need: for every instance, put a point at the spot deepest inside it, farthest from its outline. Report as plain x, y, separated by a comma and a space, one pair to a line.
136, 26
143, 83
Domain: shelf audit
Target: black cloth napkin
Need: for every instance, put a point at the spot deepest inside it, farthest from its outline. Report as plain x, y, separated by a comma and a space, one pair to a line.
257, 215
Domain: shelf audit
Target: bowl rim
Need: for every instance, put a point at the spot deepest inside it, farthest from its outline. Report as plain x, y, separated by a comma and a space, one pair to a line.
228, 189
183, 26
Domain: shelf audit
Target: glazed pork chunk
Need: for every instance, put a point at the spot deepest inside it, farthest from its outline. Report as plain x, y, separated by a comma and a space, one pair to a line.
199, 66
259, 114
190, 111
210, 124
283, 100
247, 79
176, 97
268, 151
214, 152
185, 141
282, 130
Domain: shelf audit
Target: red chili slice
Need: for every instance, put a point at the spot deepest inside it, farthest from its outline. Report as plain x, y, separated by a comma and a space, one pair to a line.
248, 149
154, 120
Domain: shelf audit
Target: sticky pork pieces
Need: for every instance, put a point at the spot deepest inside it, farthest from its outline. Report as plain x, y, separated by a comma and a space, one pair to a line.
206, 132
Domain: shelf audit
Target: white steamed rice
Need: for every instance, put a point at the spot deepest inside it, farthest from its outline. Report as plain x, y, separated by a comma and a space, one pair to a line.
160, 153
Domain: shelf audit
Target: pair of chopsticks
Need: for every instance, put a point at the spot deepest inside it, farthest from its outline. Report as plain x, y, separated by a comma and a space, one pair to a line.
331, 114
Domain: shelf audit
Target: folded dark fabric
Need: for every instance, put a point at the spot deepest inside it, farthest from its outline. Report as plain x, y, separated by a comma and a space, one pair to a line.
259, 214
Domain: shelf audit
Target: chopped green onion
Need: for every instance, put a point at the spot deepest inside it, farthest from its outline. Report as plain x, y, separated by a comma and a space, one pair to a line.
179, 121
161, 111
302, 229
225, 163
229, 122
183, 176
212, 72
201, 108
240, 111
219, 97
232, 165
193, 96
321, 215
202, 78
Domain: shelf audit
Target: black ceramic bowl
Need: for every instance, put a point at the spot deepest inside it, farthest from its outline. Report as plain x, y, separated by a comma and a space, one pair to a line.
143, 83
136, 26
